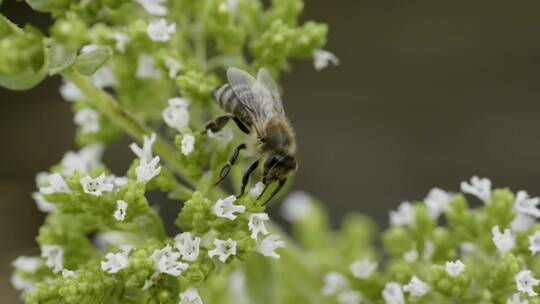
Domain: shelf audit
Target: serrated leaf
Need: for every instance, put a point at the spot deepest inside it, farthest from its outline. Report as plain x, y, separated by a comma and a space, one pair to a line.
88, 63
260, 280
60, 57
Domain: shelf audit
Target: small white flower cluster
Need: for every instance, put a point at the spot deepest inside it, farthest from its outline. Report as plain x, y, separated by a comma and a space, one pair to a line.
96, 186
88, 120
322, 59
454, 268
176, 115
225, 208
148, 166
114, 262
54, 257
363, 269
479, 187
159, 30
335, 284
296, 206
403, 216
28, 265
504, 242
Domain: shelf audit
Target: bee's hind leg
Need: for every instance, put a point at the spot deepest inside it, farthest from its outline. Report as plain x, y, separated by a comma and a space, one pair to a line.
227, 168
217, 124
245, 178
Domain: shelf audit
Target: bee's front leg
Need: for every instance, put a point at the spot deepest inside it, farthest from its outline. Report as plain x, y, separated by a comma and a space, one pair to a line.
227, 168
245, 178
280, 185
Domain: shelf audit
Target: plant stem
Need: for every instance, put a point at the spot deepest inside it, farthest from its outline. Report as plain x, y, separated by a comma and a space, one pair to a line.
107, 105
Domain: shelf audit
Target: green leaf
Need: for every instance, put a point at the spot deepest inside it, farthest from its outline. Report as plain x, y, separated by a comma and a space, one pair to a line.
260, 280
88, 63
60, 57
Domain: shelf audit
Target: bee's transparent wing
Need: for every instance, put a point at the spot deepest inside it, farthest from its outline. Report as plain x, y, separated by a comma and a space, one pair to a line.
254, 97
268, 82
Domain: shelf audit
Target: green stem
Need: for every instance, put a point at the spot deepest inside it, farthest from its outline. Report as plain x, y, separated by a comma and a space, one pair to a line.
107, 105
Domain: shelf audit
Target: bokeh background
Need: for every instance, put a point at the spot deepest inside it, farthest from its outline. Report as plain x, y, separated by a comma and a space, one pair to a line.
428, 93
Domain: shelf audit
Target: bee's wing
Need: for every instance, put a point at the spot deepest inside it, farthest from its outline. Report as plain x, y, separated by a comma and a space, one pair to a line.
268, 82
253, 96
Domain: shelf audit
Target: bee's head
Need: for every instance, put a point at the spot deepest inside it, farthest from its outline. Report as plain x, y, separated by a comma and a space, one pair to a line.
277, 167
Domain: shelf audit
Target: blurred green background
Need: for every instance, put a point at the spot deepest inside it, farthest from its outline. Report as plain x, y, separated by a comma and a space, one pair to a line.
428, 93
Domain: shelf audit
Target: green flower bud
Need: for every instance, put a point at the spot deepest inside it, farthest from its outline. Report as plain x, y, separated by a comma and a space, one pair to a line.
196, 214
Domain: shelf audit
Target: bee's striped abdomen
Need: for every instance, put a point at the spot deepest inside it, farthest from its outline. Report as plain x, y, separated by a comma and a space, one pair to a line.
226, 99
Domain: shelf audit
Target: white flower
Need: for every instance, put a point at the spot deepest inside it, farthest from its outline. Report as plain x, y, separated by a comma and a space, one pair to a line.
42, 204
322, 58
159, 30
416, 287
190, 296
83, 161
257, 189
516, 300
20, 283
146, 151
187, 246
334, 283
521, 222
454, 268
534, 242
56, 184
363, 269
223, 249
146, 67
393, 293
411, 256
104, 77
225, 208
173, 65
504, 242
349, 297
114, 262
54, 257
121, 210
525, 282
176, 115
70, 91
121, 41
438, 202
268, 246
27, 264
66, 274
256, 224
88, 120
403, 216
188, 143
154, 7
479, 187
296, 206
526, 204
166, 261
96, 186
147, 170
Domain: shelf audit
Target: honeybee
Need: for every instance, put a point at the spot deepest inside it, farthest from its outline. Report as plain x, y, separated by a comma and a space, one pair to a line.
255, 105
